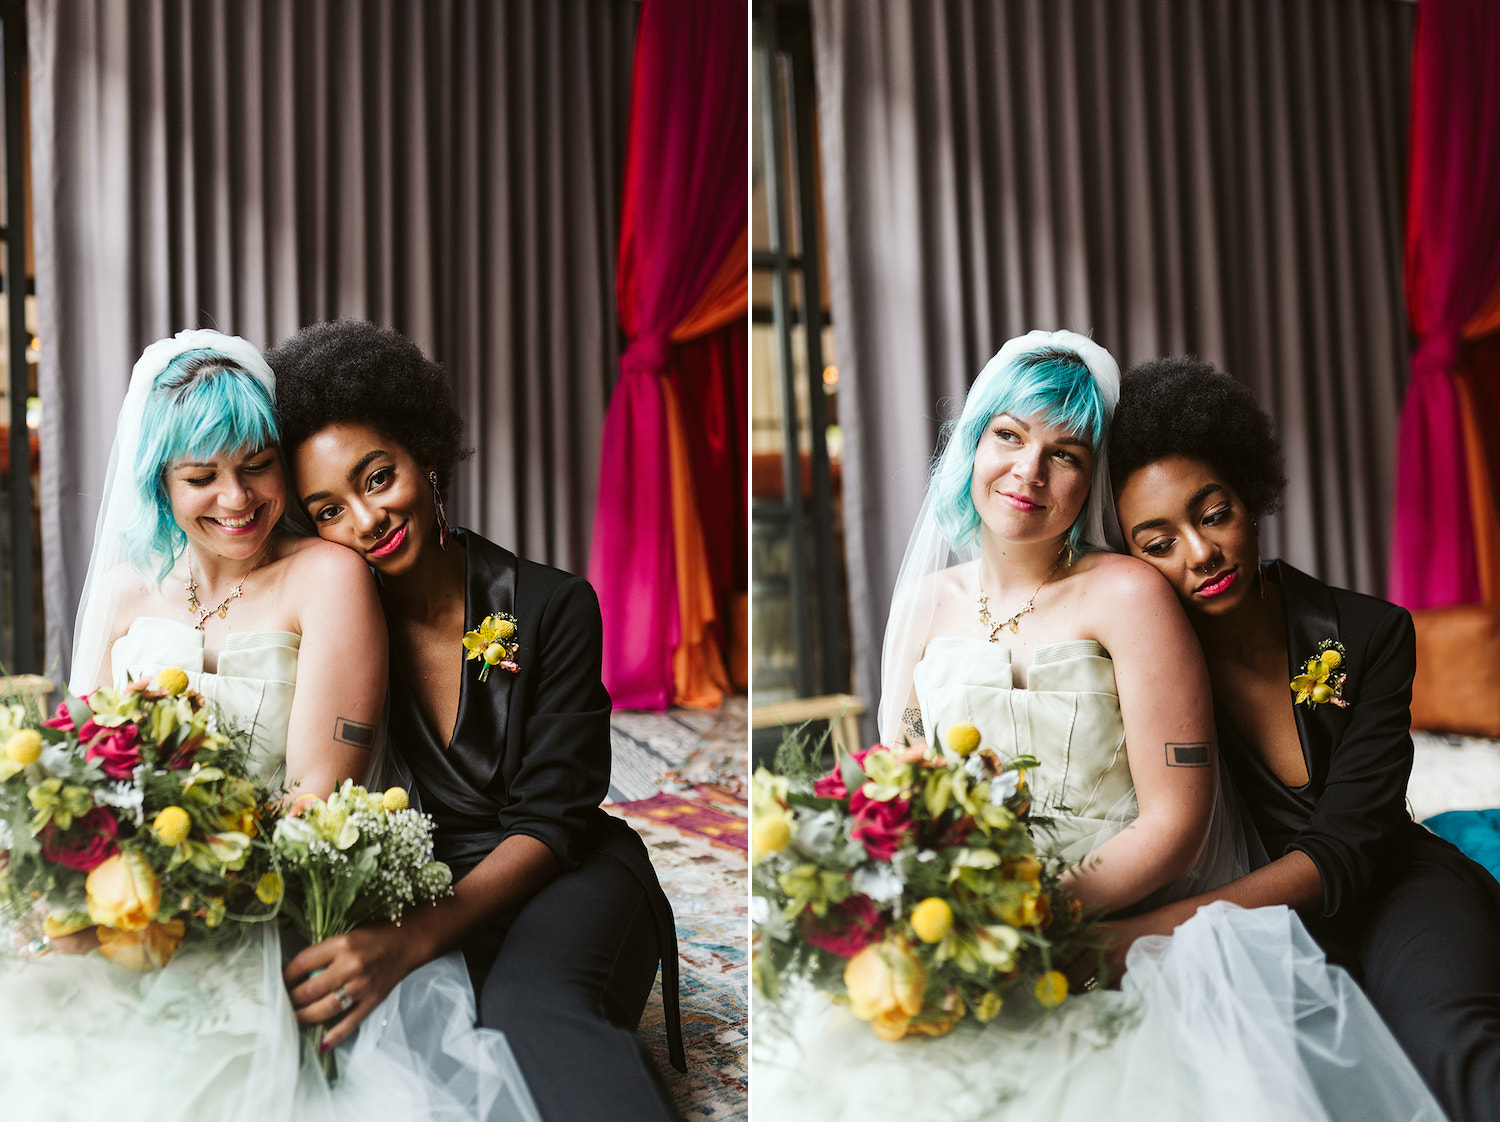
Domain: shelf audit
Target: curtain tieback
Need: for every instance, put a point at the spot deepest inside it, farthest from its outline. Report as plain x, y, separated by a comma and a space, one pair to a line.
1439, 353
648, 353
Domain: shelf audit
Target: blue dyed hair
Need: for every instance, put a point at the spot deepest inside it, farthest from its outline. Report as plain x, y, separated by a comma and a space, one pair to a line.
202, 405
1052, 384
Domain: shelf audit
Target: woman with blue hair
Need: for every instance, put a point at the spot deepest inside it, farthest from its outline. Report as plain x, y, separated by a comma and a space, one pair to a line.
199, 564
1012, 614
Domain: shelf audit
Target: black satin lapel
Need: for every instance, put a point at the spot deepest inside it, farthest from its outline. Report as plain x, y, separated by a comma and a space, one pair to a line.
484, 707
1310, 618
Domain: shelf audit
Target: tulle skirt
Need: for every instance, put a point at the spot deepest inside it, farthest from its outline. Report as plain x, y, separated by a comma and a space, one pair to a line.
1235, 1018
211, 1038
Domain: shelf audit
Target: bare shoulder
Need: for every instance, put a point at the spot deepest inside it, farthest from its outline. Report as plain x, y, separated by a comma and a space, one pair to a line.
319, 568
1123, 598
1115, 574
130, 591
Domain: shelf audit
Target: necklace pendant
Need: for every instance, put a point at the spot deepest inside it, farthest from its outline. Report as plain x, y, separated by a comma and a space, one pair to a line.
223, 611
1014, 624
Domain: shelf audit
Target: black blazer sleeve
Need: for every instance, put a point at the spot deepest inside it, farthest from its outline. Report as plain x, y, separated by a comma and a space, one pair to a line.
564, 728
1362, 806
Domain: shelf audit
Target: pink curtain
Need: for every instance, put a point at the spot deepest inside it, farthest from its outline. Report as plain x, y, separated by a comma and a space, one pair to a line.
1452, 266
684, 208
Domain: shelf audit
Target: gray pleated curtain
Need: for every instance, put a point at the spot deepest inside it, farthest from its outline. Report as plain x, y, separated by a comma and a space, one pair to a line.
1222, 177
448, 168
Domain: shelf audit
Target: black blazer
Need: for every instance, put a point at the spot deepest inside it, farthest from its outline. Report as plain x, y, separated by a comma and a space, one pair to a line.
530, 752
1351, 816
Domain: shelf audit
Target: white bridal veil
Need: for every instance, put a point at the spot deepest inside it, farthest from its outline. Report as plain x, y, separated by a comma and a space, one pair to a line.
120, 505
931, 550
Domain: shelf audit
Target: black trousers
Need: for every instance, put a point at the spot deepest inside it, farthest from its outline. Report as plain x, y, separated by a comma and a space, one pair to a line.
1429, 953
566, 980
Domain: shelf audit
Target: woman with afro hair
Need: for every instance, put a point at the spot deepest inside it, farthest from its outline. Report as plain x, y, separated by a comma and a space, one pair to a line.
555, 903
1320, 769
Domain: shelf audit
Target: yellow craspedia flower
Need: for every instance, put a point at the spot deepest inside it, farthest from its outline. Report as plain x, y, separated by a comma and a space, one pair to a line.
172, 825
268, 888
988, 1008
395, 798
1332, 659
1051, 989
25, 747
932, 919
772, 833
963, 738
172, 680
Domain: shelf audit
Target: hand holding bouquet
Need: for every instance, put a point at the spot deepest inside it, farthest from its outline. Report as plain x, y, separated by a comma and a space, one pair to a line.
908, 886
354, 857
132, 812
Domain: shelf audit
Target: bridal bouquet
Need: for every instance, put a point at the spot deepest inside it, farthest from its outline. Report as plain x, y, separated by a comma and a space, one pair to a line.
132, 812
358, 855
908, 885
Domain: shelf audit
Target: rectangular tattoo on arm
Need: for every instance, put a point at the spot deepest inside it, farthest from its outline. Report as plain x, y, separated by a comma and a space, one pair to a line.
1187, 755
350, 732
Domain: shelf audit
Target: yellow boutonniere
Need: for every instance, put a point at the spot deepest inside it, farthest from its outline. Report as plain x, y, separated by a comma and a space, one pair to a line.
493, 643
1323, 680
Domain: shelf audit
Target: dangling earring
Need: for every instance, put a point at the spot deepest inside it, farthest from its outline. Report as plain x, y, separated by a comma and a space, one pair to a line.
442, 519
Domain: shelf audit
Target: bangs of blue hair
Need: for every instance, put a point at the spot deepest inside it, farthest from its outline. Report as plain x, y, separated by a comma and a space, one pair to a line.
1053, 385
202, 405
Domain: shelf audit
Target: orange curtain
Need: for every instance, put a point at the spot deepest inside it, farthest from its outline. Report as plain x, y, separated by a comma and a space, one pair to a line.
699, 677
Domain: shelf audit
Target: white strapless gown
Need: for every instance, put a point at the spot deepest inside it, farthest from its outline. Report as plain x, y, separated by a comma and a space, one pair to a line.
211, 1037
1235, 1018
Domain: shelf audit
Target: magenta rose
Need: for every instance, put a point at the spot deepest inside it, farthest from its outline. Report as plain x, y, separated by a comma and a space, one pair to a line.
117, 750
62, 720
831, 786
881, 827
847, 929
89, 843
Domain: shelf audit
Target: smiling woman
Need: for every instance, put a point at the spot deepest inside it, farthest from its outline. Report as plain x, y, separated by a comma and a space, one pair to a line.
555, 903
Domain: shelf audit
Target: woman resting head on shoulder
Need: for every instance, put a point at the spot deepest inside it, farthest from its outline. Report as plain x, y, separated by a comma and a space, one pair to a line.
512, 766
1311, 689
195, 565
1007, 582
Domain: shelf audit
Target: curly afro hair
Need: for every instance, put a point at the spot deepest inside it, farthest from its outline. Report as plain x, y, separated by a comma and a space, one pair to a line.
1183, 406
352, 371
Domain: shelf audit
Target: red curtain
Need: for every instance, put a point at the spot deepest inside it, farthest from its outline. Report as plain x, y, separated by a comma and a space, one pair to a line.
1452, 270
681, 274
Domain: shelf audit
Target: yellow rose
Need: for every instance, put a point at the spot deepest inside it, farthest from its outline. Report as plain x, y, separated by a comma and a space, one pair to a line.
149, 948
395, 798
885, 979
172, 680
890, 1026
505, 629
268, 888
25, 747
1332, 659
932, 919
123, 892
1051, 989
172, 825
963, 738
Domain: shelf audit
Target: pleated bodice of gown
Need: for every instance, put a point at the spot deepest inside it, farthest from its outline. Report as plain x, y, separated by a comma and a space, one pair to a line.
1067, 717
253, 683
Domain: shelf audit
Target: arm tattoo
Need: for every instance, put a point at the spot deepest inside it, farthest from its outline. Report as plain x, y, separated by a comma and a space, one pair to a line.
1187, 755
353, 733
913, 721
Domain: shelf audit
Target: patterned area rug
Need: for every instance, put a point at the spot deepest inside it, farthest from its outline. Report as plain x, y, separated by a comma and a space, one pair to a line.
679, 780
